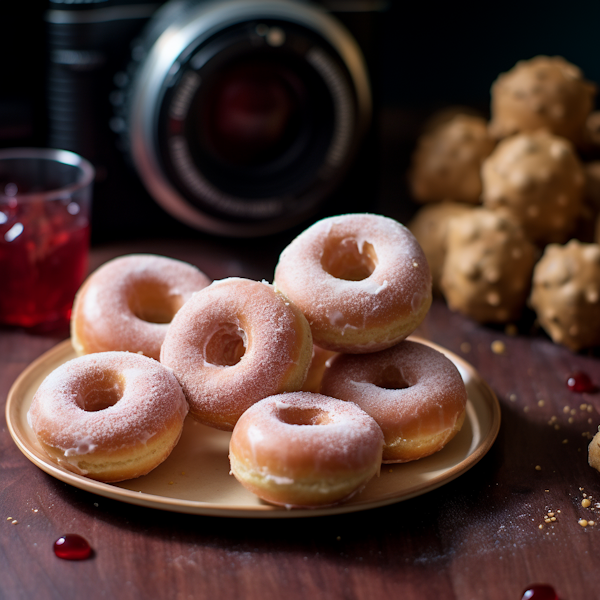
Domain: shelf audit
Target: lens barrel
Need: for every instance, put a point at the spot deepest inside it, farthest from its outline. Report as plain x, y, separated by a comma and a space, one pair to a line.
243, 117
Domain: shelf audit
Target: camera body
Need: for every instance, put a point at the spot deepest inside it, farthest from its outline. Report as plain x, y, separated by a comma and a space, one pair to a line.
233, 117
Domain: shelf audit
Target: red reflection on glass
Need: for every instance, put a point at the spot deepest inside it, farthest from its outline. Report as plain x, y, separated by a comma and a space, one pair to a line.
43, 260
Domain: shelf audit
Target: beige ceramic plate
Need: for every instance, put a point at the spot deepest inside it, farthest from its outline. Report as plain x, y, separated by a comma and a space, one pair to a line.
195, 478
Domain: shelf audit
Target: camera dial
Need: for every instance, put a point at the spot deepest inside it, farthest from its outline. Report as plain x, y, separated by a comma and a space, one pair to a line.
243, 116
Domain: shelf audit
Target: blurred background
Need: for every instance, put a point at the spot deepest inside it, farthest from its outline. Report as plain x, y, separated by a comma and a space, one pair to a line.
423, 57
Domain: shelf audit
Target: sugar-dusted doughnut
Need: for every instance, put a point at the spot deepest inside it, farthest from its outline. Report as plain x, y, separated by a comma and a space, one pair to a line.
305, 450
488, 266
233, 344
361, 280
566, 294
546, 92
109, 416
414, 392
537, 180
446, 164
129, 301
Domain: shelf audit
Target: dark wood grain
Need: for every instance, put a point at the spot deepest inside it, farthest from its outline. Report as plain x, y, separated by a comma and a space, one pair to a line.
475, 538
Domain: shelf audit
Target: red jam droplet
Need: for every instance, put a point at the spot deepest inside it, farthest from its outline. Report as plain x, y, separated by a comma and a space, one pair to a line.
72, 547
580, 382
540, 591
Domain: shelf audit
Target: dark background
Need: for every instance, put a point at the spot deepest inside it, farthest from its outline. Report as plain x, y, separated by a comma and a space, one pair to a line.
429, 56
441, 53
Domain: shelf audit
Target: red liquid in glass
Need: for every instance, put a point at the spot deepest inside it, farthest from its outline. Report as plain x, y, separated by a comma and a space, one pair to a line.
72, 547
580, 382
43, 261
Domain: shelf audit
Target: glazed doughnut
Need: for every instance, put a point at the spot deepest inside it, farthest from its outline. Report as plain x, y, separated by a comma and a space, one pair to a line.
233, 344
128, 303
305, 450
414, 392
361, 280
109, 416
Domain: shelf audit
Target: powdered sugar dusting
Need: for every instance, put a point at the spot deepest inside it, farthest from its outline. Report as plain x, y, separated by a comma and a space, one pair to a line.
278, 348
389, 293
434, 394
82, 446
104, 316
417, 301
151, 400
346, 439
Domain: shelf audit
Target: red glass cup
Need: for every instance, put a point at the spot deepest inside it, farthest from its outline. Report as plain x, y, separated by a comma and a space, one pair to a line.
45, 198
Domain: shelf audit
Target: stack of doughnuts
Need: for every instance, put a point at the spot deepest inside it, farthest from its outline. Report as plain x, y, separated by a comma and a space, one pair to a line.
542, 176
364, 284
115, 412
312, 374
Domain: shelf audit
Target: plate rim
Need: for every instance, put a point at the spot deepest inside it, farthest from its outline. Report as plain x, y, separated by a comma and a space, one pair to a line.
113, 492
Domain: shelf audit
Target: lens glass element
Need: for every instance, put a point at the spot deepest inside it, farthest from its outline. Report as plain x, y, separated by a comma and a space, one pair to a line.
255, 131
253, 113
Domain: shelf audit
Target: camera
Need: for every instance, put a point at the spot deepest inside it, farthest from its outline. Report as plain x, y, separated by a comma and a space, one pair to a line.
233, 117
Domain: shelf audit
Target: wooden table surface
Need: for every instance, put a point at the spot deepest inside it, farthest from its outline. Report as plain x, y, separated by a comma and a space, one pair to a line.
478, 537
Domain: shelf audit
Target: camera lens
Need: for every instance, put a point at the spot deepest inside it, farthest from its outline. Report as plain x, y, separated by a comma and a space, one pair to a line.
253, 114
244, 116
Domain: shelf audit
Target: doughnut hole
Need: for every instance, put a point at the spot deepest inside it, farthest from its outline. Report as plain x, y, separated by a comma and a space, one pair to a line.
343, 259
391, 379
151, 301
101, 393
295, 415
226, 346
